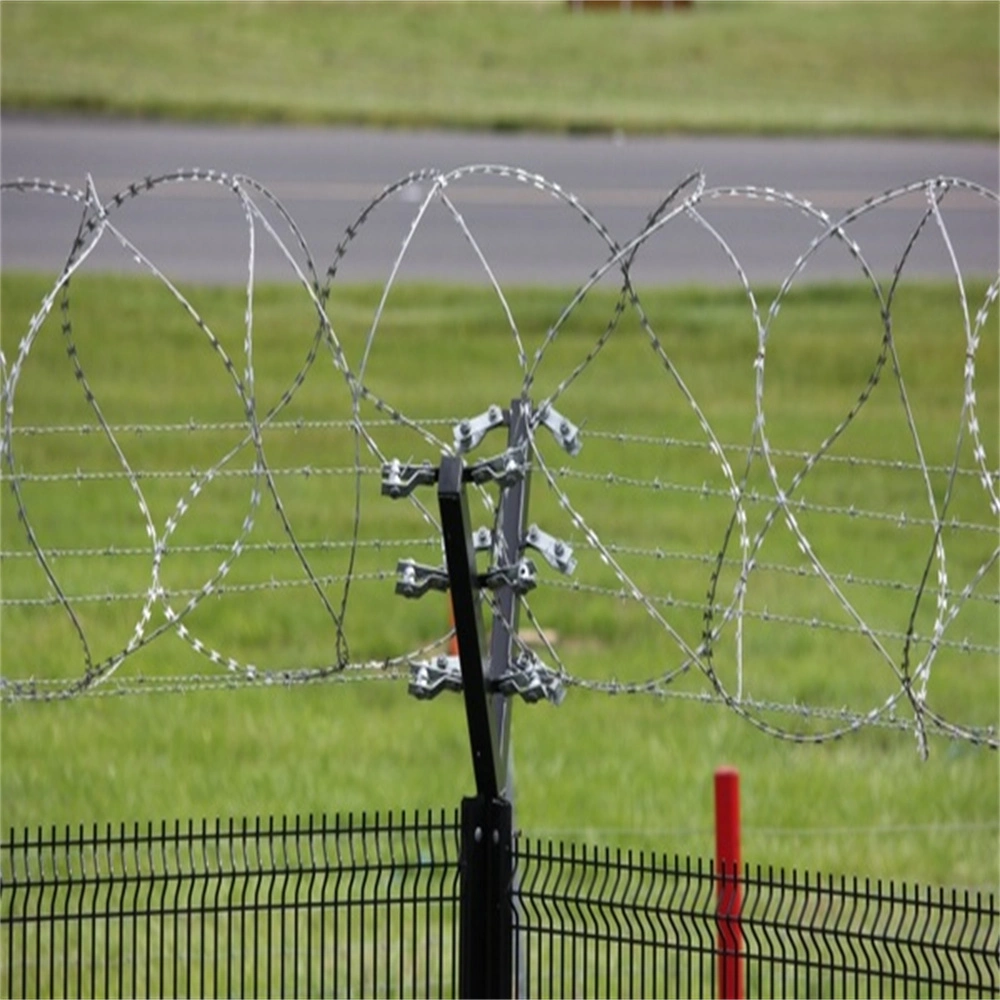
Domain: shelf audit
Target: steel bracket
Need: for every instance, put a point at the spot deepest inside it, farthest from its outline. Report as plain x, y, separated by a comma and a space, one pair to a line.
400, 480
532, 680
414, 580
482, 539
505, 469
564, 431
558, 554
528, 677
469, 432
521, 577
428, 678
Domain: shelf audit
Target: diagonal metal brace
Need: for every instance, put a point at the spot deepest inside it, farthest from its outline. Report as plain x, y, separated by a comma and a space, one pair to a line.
400, 480
415, 580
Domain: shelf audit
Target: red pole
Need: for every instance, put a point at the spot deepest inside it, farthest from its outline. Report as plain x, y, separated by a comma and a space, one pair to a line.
727, 876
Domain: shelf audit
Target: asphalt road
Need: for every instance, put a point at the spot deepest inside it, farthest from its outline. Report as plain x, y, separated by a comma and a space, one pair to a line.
325, 177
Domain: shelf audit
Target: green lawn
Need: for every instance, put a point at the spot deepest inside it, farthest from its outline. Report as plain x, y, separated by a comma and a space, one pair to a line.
629, 769
755, 68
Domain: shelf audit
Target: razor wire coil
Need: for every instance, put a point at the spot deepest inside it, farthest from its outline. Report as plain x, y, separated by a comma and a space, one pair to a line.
907, 651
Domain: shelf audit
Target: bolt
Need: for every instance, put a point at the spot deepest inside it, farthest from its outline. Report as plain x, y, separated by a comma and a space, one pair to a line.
560, 548
496, 836
478, 834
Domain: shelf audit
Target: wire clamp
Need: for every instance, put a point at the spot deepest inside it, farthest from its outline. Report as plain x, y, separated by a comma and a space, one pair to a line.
414, 580
558, 554
482, 539
520, 577
505, 469
469, 432
428, 678
528, 677
532, 680
400, 480
564, 431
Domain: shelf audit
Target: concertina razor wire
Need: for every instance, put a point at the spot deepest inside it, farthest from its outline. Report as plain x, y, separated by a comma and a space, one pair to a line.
711, 633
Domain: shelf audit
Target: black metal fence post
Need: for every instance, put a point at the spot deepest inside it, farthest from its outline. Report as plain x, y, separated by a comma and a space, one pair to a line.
460, 556
486, 915
485, 948
487, 673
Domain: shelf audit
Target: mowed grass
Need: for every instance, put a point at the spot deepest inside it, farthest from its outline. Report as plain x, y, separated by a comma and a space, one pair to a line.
625, 769
744, 68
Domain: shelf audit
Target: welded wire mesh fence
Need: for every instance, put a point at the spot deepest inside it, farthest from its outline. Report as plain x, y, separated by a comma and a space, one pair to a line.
368, 906
597, 922
353, 906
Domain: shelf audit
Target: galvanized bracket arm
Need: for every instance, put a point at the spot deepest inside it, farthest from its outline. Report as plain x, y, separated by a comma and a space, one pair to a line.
521, 577
400, 480
504, 470
468, 433
558, 554
565, 432
429, 678
527, 677
414, 580
487, 675
532, 680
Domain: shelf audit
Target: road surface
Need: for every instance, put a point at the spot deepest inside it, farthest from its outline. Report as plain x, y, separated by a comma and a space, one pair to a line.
325, 177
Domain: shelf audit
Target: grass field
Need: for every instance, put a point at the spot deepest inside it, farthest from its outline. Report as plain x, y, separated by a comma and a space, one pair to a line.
754, 68
630, 770
633, 770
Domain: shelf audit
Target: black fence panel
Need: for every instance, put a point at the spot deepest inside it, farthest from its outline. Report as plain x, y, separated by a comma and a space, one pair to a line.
811, 936
369, 906
603, 923
355, 906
